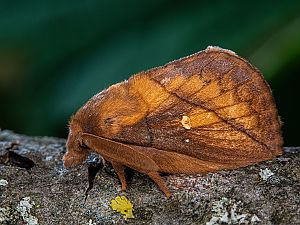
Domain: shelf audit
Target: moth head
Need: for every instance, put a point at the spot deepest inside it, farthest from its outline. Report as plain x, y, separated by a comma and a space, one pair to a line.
77, 152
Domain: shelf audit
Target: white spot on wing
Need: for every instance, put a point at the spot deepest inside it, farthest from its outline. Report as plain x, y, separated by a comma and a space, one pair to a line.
186, 122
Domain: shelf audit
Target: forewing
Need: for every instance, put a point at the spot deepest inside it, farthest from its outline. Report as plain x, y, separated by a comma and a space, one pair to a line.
212, 105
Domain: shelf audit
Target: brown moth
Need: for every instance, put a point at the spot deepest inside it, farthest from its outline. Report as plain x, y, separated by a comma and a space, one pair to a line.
206, 112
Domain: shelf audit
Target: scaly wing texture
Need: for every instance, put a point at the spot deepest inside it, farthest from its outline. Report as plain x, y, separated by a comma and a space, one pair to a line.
212, 105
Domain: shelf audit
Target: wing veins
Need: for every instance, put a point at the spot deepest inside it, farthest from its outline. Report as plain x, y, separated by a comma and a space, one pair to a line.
224, 120
153, 78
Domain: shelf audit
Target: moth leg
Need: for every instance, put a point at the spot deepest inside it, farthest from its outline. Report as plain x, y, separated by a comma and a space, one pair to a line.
160, 183
119, 168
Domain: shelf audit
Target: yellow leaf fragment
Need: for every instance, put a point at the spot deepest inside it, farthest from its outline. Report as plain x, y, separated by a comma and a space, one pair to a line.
122, 205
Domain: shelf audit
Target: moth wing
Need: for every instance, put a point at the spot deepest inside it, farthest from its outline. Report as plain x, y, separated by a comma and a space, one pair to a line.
121, 153
212, 106
173, 162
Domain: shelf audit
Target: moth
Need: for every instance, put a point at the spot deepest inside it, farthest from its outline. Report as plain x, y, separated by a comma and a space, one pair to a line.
206, 112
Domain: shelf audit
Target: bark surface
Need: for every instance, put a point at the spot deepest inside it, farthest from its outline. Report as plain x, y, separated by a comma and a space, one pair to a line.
266, 193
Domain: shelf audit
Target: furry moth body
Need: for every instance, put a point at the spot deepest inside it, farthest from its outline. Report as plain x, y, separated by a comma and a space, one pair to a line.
206, 112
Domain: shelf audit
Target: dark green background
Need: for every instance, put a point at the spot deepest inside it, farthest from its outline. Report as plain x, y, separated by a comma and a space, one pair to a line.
54, 55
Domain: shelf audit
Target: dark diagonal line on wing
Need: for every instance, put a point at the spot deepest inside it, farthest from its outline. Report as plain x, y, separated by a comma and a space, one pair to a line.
224, 120
200, 72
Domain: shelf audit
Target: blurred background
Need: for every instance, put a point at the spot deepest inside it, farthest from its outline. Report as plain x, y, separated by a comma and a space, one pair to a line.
54, 55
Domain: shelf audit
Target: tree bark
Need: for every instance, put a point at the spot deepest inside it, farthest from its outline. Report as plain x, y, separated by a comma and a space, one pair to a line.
266, 193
